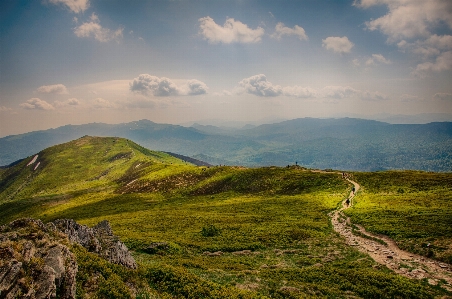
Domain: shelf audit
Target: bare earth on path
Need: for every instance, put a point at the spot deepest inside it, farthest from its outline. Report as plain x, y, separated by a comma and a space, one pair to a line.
385, 251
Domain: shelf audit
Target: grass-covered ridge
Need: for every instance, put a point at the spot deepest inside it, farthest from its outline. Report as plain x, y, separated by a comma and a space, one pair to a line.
218, 232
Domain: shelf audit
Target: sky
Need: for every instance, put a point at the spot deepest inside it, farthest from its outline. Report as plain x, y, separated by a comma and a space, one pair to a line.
181, 61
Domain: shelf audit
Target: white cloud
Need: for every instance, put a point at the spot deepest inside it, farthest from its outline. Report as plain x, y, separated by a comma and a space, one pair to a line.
299, 92
76, 6
231, 32
36, 103
443, 96
56, 89
411, 24
193, 87
94, 29
409, 19
5, 109
377, 59
69, 102
102, 103
338, 44
162, 87
442, 62
339, 92
259, 86
281, 30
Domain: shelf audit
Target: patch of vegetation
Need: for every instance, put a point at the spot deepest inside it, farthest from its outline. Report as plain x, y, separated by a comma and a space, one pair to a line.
419, 218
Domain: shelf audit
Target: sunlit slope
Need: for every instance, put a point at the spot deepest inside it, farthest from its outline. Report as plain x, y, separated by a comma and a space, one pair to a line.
230, 231
414, 208
82, 164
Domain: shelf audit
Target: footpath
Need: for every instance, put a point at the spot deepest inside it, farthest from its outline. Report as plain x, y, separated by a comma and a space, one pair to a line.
385, 251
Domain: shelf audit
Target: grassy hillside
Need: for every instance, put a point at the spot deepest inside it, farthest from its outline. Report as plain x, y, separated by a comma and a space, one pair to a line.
414, 208
197, 232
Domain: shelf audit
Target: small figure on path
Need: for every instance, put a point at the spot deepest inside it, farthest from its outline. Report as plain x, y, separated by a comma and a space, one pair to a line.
347, 202
353, 190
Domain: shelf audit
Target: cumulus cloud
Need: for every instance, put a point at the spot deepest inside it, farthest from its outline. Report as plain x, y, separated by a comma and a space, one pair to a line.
411, 24
76, 6
102, 103
163, 87
339, 92
193, 87
69, 102
281, 30
443, 96
260, 86
409, 18
441, 63
338, 44
231, 32
95, 30
36, 103
377, 59
299, 92
56, 89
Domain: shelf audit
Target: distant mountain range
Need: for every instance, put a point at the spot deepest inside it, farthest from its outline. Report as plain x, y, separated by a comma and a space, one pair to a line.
345, 143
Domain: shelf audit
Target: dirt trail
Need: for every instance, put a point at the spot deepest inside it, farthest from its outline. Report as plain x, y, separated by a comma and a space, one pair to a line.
402, 262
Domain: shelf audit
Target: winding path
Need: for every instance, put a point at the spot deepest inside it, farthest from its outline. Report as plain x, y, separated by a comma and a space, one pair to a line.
402, 262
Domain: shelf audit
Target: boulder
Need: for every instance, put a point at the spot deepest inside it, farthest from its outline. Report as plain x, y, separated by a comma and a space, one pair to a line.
98, 239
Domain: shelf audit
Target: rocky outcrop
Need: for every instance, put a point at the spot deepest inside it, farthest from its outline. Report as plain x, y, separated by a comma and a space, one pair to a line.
98, 239
35, 260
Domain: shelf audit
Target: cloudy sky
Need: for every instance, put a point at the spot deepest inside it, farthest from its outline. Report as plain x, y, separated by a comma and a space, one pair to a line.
80, 61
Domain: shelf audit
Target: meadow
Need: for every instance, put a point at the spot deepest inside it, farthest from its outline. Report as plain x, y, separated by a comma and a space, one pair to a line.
197, 232
413, 208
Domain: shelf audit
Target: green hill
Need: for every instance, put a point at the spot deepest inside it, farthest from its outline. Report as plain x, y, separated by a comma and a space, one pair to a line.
348, 144
205, 232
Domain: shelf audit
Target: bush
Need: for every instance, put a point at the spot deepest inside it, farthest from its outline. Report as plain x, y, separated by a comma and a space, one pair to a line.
210, 231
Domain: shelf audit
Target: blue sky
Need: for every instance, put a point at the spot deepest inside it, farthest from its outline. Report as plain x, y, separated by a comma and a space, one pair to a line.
80, 61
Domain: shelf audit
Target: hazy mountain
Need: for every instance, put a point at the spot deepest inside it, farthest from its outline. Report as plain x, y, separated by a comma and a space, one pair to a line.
346, 143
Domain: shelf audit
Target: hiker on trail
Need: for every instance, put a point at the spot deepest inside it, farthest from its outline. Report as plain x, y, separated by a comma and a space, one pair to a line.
353, 189
347, 202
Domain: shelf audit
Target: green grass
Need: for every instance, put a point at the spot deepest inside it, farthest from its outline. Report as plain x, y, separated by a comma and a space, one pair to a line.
279, 216
414, 208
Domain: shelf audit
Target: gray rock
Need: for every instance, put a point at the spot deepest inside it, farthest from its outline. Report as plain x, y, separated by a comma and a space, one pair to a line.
99, 239
9, 274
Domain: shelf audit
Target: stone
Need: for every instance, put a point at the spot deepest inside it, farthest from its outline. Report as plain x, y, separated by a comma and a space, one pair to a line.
99, 239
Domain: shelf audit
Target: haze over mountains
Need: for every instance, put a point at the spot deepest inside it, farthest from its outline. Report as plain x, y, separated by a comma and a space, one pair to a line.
346, 143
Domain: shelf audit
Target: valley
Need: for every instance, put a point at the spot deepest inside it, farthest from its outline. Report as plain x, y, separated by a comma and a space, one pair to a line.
234, 231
